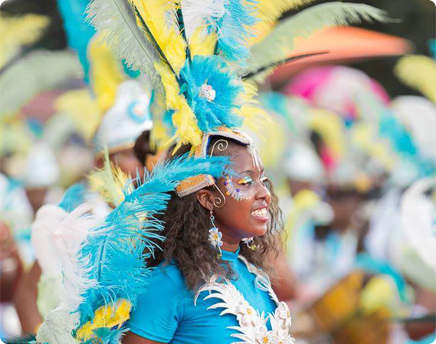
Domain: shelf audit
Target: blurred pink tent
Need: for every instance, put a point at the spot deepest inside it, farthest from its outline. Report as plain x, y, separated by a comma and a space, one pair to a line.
343, 44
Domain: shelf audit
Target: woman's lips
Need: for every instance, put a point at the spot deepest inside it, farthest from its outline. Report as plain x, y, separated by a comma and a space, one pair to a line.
261, 214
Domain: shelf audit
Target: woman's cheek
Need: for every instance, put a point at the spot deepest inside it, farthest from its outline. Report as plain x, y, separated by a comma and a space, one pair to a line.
248, 206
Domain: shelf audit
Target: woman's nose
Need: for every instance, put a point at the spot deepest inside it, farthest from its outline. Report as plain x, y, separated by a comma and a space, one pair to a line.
264, 193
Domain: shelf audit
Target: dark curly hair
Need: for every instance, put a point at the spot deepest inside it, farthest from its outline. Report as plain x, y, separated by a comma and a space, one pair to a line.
143, 146
187, 226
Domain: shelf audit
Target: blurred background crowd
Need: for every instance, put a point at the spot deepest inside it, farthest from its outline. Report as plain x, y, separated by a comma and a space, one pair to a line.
351, 149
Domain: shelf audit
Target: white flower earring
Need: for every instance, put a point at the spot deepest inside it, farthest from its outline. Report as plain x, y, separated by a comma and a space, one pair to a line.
215, 235
250, 243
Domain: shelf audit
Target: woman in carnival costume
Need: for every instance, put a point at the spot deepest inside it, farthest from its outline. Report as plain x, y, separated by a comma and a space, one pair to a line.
182, 254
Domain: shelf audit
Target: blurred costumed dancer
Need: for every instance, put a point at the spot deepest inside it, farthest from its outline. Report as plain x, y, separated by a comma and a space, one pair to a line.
123, 106
27, 172
394, 154
210, 204
411, 253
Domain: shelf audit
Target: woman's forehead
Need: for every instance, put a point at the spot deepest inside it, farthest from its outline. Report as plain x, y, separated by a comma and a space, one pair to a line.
246, 160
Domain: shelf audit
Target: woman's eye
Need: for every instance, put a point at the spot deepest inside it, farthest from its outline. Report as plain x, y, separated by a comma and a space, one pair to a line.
246, 181
263, 179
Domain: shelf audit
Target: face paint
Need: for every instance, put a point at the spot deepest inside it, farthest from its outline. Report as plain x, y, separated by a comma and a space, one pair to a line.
235, 192
240, 192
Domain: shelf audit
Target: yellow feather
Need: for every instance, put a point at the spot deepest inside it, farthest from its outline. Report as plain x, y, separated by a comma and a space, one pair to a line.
15, 137
85, 332
159, 132
82, 109
365, 137
159, 135
16, 32
260, 30
109, 182
331, 128
418, 72
269, 11
160, 17
379, 294
186, 123
107, 316
170, 84
304, 200
202, 44
272, 143
254, 116
106, 73
183, 118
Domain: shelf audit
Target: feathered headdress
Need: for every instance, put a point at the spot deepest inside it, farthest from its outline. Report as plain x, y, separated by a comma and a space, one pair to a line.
200, 54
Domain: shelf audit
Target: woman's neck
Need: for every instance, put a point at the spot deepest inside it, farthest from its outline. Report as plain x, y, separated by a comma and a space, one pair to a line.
230, 247
230, 241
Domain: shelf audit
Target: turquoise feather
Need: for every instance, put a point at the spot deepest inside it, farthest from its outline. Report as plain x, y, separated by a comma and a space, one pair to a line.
234, 30
213, 71
79, 33
73, 197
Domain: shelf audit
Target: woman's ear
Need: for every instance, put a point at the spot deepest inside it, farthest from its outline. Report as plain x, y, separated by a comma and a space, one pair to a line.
205, 198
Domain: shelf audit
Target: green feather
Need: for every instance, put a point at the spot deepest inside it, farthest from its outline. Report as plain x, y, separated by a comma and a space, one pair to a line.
279, 43
37, 72
261, 74
116, 21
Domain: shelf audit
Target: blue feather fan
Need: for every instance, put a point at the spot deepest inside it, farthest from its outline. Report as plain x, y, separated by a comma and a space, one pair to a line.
114, 254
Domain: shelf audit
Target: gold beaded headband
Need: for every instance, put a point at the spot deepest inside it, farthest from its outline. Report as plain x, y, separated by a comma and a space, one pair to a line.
193, 184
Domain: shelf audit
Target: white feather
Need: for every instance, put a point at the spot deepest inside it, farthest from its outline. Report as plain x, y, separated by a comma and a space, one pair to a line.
69, 238
57, 327
47, 220
201, 13
418, 218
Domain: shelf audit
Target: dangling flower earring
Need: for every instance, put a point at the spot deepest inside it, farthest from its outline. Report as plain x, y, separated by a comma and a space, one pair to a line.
250, 243
215, 235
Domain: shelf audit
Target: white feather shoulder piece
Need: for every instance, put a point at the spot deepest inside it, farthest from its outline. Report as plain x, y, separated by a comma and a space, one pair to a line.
48, 219
68, 238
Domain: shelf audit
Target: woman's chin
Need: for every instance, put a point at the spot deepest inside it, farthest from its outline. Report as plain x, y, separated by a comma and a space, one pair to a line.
257, 230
